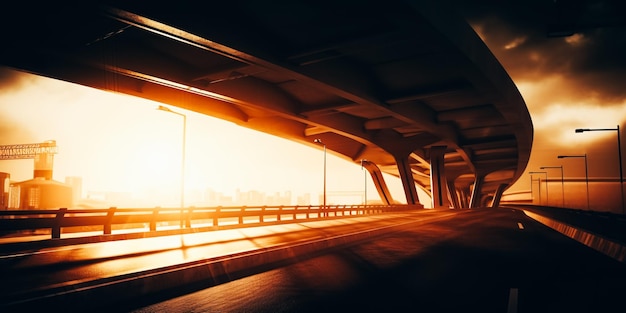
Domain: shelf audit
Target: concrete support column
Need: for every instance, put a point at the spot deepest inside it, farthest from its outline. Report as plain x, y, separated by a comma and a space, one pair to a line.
407, 180
464, 196
453, 194
498, 195
438, 182
379, 181
476, 192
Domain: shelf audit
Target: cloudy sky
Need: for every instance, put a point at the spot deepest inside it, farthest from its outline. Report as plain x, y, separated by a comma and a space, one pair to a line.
568, 82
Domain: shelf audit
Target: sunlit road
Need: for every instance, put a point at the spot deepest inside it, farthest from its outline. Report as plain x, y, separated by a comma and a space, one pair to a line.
477, 261
80, 271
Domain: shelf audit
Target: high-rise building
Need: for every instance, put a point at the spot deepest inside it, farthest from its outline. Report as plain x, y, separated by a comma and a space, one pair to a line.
4, 190
77, 187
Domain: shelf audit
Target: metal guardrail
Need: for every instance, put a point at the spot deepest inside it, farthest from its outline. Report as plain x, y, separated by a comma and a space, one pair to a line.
56, 220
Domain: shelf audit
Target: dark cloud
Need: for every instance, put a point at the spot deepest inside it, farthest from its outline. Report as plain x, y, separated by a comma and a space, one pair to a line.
11, 79
591, 58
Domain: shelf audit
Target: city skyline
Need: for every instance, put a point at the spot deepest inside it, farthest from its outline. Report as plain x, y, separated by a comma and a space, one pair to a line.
211, 198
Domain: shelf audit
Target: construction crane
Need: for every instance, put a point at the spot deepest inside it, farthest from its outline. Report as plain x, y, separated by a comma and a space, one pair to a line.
27, 151
42, 153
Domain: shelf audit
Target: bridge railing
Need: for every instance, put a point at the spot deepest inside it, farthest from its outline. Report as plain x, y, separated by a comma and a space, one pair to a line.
56, 220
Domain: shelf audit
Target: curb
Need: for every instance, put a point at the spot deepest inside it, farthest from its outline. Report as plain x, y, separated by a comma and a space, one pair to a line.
606, 246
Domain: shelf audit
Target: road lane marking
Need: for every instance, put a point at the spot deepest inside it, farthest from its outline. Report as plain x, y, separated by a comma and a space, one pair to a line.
512, 301
31, 253
520, 225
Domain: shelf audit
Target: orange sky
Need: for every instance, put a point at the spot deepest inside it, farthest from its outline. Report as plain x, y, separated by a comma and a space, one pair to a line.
124, 144
567, 82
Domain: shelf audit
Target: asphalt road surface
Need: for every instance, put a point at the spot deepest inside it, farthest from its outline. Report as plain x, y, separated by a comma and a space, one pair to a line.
491, 260
100, 275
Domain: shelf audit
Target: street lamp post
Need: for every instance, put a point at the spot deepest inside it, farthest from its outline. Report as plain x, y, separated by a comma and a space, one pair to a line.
545, 173
586, 172
319, 141
182, 171
562, 182
531, 188
364, 182
619, 155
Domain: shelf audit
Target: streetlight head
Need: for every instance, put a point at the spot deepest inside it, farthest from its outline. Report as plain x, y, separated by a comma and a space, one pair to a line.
162, 108
581, 130
317, 140
561, 157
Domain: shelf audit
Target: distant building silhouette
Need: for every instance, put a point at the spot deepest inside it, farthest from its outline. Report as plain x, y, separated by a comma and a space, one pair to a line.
4, 190
40, 193
304, 199
77, 187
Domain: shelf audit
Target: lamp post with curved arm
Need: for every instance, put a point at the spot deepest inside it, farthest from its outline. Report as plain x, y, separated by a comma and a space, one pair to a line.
532, 197
562, 182
182, 171
586, 172
364, 182
545, 173
319, 141
619, 155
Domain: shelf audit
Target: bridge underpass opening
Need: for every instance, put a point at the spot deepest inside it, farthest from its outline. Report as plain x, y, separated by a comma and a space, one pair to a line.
286, 86
128, 154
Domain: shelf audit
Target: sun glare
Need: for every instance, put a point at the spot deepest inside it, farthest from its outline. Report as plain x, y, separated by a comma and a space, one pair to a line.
121, 144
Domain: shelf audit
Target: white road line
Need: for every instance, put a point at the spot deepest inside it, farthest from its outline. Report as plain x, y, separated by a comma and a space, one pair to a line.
520, 225
512, 301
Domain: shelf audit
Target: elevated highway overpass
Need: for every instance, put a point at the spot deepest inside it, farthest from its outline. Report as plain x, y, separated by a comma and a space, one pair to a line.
407, 86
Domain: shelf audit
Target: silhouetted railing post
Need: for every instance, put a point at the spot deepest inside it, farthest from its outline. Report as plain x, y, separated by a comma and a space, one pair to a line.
109, 219
262, 214
56, 229
188, 217
153, 220
216, 216
242, 211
